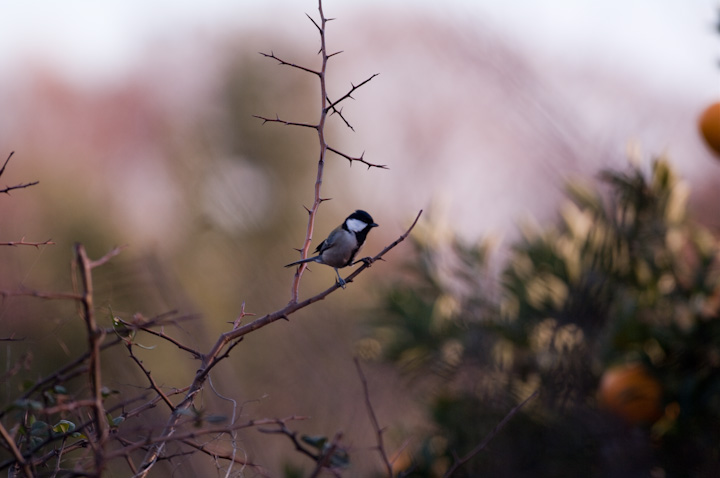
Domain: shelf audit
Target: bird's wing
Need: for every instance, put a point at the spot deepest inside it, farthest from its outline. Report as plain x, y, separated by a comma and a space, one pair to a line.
327, 243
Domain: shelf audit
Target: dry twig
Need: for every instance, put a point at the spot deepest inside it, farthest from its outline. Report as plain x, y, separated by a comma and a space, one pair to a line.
373, 419
460, 461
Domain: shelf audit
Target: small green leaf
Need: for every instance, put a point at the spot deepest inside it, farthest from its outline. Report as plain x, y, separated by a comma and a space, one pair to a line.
39, 428
316, 441
106, 392
60, 390
146, 347
340, 459
117, 420
63, 426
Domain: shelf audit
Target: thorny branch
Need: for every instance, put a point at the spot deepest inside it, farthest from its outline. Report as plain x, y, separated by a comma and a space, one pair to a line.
7, 189
95, 338
326, 106
213, 357
147, 373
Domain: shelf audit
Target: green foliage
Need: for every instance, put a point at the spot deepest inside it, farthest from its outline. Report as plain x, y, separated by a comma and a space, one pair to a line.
623, 277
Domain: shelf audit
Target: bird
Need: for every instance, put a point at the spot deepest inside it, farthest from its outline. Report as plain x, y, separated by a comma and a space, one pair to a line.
343, 243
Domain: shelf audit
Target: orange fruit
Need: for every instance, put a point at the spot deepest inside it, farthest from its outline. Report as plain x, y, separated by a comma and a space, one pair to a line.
632, 393
710, 127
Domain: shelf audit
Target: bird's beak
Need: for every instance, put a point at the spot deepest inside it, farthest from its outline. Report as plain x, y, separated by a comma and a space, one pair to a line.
373, 225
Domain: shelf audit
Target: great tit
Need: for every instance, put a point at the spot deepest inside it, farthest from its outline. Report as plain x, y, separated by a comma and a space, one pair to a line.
343, 243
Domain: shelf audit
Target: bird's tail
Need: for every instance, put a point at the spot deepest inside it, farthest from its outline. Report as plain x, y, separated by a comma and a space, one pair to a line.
303, 261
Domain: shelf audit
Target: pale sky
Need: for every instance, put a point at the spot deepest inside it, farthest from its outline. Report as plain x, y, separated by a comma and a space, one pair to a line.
96, 40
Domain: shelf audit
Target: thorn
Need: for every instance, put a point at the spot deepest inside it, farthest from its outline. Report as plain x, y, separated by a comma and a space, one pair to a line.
306, 209
296, 249
325, 199
285, 317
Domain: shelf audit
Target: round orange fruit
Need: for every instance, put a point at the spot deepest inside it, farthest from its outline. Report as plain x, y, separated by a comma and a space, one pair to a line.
632, 393
710, 127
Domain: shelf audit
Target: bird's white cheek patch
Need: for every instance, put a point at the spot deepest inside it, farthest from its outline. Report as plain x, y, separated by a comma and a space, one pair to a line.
356, 225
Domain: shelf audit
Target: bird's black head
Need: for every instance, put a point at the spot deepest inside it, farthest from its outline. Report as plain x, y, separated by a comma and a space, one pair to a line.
361, 220
359, 223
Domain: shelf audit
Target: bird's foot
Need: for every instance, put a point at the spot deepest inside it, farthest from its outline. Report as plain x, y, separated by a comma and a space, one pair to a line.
365, 260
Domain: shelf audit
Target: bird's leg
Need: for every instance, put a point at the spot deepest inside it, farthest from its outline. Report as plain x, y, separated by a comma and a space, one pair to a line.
340, 280
365, 260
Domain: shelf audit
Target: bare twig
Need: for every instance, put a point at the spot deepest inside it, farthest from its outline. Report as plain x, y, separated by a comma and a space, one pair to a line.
95, 338
140, 323
293, 65
104, 259
19, 459
282, 429
147, 373
347, 95
2, 170
287, 123
225, 456
373, 419
460, 461
7, 189
22, 242
192, 434
360, 159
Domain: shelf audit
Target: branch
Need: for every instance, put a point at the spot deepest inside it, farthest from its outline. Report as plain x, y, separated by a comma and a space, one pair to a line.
349, 93
195, 434
140, 323
360, 159
288, 123
286, 63
284, 430
225, 456
95, 338
40, 294
154, 385
104, 259
22, 242
461, 461
7, 189
213, 356
332, 105
2, 170
18, 186
19, 459
374, 420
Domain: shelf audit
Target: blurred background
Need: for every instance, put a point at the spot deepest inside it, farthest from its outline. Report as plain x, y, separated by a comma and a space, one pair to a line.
136, 118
